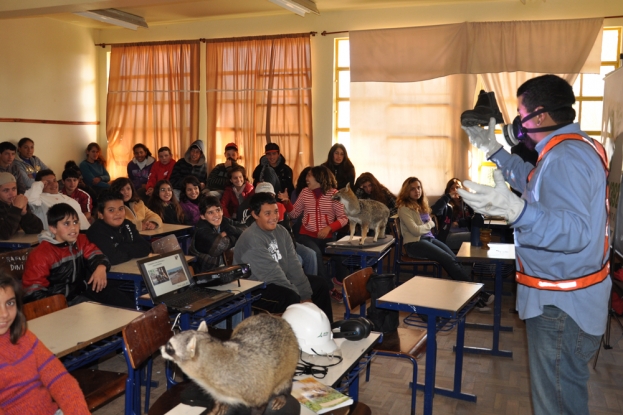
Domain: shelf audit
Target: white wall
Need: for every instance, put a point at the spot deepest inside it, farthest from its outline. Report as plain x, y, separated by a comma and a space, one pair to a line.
48, 72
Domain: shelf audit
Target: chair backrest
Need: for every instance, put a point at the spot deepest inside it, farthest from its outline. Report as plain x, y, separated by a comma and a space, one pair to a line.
165, 245
398, 235
13, 262
228, 257
354, 287
145, 334
44, 306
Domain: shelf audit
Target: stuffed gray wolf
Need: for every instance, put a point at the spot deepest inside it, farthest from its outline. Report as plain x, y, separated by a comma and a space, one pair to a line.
369, 214
256, 364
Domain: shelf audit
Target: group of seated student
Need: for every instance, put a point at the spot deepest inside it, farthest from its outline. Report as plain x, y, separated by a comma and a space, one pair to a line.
220, 225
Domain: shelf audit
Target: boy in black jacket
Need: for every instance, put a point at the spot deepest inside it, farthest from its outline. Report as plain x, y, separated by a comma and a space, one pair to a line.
116, 236
214, 234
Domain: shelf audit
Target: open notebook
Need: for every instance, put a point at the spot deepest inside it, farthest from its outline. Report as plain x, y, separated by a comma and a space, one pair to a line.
168, 280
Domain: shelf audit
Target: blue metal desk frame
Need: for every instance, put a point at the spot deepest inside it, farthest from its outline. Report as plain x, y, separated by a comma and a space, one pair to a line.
20, 240
431, 347
497, 310
367, 256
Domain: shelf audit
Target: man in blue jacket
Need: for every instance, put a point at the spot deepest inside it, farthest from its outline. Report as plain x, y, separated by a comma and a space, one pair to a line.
561, 240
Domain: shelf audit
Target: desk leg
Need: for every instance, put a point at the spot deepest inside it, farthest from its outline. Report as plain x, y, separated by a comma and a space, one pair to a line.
431, 365
185, 321
247, 310
458, 370
353, 388
497, 321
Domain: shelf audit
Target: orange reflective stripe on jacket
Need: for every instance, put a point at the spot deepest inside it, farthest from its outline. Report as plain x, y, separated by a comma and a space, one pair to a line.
586, 280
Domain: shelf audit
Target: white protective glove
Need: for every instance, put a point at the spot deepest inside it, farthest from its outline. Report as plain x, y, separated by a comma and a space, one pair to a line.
483, 139
493, 201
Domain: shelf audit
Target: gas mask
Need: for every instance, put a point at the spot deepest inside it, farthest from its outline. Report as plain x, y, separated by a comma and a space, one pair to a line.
516, 132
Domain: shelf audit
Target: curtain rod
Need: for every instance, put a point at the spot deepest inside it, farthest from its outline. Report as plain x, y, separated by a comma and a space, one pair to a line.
325, 33
204, 40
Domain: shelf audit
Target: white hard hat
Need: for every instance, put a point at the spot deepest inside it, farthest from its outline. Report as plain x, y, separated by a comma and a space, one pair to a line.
311, 328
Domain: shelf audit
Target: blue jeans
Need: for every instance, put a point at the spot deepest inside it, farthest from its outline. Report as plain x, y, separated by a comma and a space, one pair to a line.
308, 259
558, 353
431, 248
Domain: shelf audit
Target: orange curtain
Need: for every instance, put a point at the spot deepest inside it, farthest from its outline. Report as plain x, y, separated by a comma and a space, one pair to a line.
153, 98
258, 92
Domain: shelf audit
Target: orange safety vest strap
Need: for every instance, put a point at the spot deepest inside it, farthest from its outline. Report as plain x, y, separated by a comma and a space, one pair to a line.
564, 285
586, 280
599, 149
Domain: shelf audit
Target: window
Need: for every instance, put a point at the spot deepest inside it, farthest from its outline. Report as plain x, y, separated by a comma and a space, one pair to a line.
589, 88
341, 120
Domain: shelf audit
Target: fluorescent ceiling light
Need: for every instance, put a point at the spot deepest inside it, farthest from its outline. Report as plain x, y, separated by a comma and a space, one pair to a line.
299, 7
115, 17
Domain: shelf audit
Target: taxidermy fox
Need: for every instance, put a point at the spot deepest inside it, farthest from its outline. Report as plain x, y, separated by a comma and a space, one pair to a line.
256, 364
370, 214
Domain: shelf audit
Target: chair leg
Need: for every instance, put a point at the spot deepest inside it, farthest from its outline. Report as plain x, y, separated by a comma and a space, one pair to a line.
129, 394
148, 384
413, 385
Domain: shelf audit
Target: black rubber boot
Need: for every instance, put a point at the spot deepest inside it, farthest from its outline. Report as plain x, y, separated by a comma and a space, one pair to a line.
485, 108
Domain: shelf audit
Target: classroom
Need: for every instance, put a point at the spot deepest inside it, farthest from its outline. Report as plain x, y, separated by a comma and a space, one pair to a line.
54, 89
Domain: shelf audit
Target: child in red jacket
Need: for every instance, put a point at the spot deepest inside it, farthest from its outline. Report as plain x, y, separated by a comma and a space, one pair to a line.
161, 170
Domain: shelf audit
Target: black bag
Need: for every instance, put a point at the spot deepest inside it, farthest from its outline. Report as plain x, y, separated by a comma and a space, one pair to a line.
384, 320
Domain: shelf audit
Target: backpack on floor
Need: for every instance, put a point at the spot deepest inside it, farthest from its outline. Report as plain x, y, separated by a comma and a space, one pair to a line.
378, 285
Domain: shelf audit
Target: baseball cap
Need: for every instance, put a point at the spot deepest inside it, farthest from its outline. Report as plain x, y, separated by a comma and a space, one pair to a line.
264, 187
271, 147
9, 178
231, 146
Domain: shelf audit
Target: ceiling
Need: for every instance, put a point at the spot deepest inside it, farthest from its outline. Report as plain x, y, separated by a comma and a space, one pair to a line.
159, 12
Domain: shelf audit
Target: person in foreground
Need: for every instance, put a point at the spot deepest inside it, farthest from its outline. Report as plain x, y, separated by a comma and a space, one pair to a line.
561, 240
32, 379
268, 248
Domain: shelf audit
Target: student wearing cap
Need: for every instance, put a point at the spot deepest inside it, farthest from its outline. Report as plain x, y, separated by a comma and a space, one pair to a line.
218, 179
275, 161
192, 164
14, 210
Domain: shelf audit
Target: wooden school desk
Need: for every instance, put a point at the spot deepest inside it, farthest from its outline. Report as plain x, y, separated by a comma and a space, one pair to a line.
434, 298
182, 232
74, 328
498, 254
20, 240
